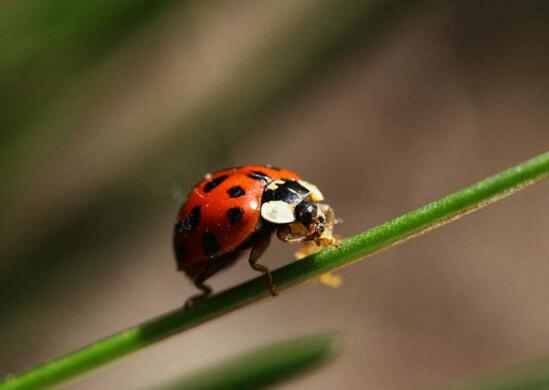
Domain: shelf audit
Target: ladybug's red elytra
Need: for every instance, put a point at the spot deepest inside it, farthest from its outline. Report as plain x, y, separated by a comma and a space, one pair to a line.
236, 209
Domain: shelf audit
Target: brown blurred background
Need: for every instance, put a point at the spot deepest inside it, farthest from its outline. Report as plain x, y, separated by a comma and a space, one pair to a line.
109, 114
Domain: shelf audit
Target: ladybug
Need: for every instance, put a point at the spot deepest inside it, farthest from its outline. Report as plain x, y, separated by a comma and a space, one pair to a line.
236, 209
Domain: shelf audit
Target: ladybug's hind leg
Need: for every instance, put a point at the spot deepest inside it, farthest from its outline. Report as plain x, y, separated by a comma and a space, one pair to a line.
206, 291
208, 268
258, 247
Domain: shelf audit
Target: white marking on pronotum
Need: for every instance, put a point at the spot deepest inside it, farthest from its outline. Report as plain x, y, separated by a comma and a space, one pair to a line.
274, 184
277, 211
316, 195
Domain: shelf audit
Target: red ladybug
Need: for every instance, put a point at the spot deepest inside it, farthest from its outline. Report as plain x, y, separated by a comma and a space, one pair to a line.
236, 209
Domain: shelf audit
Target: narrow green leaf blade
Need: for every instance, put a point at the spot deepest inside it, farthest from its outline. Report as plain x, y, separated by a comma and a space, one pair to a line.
534, 376
263, 367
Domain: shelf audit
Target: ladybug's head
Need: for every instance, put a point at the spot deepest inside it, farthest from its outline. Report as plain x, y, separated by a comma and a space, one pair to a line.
309, 215
293, 206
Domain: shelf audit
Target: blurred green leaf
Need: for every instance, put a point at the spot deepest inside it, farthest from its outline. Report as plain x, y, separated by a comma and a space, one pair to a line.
53, 30
533, 376
262, 367
45, 43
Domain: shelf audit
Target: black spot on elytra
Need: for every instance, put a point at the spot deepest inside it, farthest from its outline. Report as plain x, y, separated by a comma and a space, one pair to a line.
189, 222
260, 176
236, 191
209, 243
214, 183
179, 227
180, 252
235, 214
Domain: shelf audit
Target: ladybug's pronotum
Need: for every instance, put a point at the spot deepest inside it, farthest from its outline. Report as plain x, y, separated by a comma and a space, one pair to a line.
236, 209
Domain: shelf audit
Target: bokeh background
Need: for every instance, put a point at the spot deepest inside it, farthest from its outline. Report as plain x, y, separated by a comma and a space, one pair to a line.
110, 111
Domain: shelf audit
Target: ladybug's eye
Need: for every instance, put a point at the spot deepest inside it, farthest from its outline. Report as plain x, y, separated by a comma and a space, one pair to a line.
322, 219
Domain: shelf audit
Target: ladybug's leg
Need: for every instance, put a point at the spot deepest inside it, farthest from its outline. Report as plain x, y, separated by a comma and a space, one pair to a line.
258, 247
327, 239
329, 212
206, 291
199, 276
285, 235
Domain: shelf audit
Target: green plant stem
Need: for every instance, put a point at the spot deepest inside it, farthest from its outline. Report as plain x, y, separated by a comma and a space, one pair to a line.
381, 237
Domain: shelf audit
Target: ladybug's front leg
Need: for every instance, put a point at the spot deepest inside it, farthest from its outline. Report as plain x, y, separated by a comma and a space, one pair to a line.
258, 247
285, 234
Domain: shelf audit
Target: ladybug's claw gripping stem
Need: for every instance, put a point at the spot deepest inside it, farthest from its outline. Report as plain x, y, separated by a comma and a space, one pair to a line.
206, 291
